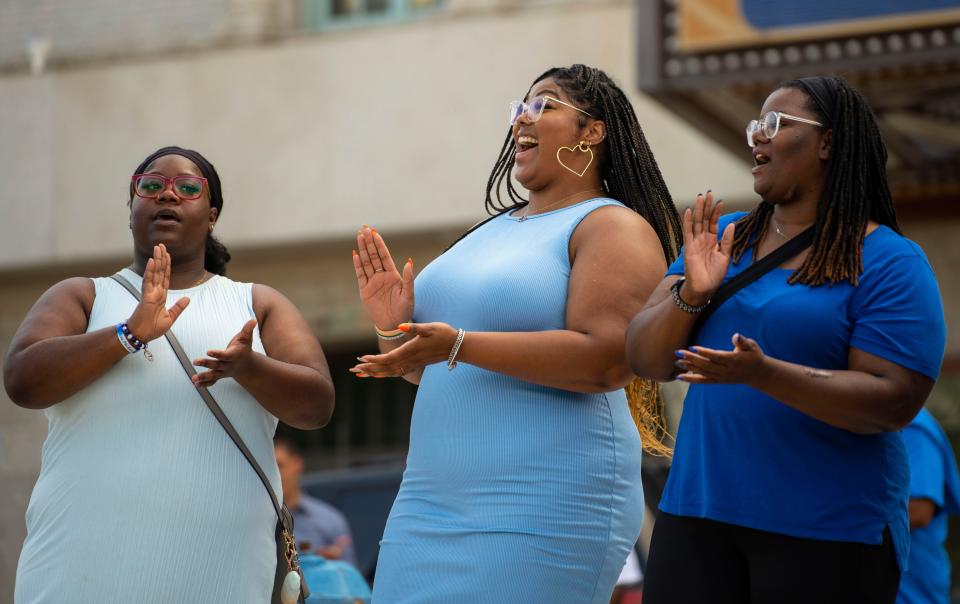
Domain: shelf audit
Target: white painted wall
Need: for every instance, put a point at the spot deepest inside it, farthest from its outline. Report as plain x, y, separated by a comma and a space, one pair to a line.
394, 126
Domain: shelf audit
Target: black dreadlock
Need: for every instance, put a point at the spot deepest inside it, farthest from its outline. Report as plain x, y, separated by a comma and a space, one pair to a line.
855, 187
629, 174
628, 170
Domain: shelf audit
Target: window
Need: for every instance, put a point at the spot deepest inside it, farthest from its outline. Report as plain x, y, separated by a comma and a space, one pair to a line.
336, 14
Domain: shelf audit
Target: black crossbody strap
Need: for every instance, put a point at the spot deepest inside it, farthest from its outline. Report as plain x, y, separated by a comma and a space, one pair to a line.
215, 409
756, 270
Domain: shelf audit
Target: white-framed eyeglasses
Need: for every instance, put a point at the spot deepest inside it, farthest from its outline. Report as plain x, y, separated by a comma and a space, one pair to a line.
534, 109
769, 125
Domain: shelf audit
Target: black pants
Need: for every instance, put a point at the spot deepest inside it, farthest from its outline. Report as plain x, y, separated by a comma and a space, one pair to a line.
697, 561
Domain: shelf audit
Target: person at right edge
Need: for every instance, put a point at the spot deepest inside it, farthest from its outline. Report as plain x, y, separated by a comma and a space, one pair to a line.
790, 479
934, 494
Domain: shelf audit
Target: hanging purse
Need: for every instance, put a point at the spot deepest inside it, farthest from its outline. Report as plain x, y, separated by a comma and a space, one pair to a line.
289, 586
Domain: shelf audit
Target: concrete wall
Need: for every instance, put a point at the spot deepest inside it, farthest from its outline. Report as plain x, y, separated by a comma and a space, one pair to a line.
108, 29
312, 137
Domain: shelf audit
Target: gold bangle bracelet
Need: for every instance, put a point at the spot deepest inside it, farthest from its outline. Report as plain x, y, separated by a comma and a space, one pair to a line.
389, 334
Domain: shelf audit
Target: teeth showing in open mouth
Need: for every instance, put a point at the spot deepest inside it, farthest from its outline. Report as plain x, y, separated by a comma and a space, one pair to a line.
526, 142
760, 158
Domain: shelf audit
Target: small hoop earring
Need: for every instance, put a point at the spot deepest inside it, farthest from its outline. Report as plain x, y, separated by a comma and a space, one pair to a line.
582, 147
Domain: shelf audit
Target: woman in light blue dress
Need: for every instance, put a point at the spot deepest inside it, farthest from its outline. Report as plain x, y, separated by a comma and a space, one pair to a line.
523, 475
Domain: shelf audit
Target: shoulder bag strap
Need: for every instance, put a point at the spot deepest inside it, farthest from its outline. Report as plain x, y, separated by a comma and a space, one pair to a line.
215, 409
756, 270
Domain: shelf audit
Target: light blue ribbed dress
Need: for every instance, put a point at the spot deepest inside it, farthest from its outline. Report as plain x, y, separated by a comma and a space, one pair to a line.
142, 497
513, 492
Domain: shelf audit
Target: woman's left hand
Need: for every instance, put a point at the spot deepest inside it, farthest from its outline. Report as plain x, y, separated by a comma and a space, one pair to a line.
742, 365
432, 343
229, 361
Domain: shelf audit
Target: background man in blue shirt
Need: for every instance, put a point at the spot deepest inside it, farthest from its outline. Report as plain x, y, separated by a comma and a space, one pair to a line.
318, 526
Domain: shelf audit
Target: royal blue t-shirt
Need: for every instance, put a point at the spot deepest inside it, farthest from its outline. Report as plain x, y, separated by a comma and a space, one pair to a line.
933, 476
744, 458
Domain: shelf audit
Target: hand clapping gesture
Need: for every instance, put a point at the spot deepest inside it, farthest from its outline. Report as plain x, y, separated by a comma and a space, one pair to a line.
386, 295
432, 343
151, 318
704, 261
227, 362
708, 366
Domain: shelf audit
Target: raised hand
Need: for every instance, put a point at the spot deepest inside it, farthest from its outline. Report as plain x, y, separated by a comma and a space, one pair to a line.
229, 361
704, 261
432, 343
151, 318
386, 294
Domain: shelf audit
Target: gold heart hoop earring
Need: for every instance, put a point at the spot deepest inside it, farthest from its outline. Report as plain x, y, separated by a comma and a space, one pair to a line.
583, 147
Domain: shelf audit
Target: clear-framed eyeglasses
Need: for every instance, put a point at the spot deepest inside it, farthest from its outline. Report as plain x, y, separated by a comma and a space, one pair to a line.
769, 125
150, 186
534, 109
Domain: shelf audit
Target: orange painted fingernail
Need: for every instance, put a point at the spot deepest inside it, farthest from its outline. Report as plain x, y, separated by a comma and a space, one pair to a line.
404, 327
373, 230
361, 375
355, 252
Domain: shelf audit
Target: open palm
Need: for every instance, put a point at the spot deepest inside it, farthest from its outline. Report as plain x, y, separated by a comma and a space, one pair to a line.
151, 318
704, 262
386, 294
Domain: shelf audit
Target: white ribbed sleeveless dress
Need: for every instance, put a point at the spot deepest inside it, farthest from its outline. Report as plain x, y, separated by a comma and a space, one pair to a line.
142, 497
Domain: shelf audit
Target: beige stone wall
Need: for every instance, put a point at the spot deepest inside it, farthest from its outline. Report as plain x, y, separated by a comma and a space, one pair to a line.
938, 238
316, 135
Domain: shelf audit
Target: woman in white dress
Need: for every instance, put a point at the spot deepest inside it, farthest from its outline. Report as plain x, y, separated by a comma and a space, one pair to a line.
142, 497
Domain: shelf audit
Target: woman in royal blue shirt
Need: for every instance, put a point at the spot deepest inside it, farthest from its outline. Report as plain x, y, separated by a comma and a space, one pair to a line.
789, 480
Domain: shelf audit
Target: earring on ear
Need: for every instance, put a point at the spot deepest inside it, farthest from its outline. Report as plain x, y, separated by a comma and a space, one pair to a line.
582, 147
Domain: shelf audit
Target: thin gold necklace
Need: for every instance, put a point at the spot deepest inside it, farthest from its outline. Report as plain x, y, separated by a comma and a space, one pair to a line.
559, 201
203, 277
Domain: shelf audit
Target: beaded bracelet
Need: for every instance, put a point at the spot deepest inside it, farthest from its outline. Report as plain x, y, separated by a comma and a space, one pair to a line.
681, 303
452, 359
130, 342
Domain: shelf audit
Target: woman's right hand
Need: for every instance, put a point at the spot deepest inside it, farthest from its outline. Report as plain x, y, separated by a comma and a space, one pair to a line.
387, 295
704, 262
151, 318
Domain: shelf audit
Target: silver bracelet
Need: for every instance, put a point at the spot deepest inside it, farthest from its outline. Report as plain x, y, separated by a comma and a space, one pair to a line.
452, 359
675, 291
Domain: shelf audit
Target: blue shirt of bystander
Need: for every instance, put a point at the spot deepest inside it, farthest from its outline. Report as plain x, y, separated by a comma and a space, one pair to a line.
933, 476
322, 526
